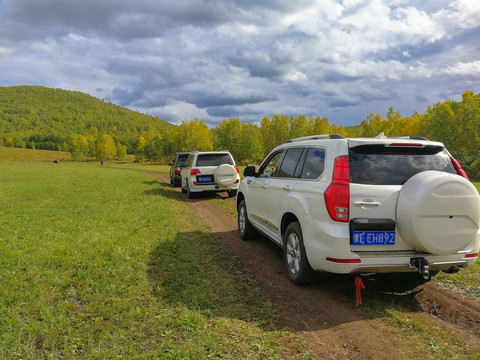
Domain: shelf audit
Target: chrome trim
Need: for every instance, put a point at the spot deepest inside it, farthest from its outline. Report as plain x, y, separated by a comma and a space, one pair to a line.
406, 267
264, 221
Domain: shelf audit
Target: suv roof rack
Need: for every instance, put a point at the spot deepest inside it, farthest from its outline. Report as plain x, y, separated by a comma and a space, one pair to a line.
315, 137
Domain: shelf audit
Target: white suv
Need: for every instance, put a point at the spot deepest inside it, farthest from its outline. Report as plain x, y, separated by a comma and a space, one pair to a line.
362, 205
213, 171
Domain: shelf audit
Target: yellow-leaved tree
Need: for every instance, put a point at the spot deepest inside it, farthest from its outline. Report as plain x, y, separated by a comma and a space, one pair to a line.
192, 136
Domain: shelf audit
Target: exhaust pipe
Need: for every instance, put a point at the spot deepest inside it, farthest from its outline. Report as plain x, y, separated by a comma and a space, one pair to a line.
452, 270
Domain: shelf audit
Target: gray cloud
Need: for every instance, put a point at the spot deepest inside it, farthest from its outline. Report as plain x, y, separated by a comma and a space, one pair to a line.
216, 59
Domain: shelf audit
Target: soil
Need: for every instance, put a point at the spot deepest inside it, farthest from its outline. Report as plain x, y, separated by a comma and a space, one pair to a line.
325, 314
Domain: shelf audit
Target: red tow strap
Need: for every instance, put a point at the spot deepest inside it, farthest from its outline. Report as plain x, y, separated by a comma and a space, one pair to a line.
358, 290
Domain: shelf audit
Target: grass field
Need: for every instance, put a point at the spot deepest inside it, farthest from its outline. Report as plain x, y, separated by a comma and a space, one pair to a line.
99, 262
107, 262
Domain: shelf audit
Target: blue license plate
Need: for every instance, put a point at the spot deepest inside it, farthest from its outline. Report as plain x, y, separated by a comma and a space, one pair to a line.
373, 238
204, 179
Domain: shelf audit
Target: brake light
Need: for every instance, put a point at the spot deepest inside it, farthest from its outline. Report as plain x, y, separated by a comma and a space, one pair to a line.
194, 172
238, 169
337, 195
404, 145
178, 170
471, 256
458, 168
344, 261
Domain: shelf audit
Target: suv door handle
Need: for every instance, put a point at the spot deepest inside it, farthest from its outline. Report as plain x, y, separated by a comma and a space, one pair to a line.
365, 204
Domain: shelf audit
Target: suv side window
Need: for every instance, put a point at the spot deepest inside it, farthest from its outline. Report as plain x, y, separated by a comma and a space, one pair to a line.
314, 163
290, 162
271, 167
189, 161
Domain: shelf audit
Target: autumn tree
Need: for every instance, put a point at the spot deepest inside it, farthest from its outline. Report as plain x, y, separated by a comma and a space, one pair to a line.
106, 148
192, 136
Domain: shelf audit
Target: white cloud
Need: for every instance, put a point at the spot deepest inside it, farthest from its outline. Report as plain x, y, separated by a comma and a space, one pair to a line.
183, 110
471, 69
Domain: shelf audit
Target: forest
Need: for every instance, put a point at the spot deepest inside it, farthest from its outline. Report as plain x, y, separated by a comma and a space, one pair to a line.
89, 128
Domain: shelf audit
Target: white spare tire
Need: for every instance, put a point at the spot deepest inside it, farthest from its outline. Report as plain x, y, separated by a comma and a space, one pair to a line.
438, 213
225, 175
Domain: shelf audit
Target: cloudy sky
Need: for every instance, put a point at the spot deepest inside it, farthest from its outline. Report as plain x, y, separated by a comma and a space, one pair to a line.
218, 59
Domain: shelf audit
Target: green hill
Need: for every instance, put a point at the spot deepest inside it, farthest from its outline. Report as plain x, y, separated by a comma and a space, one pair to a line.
44, 118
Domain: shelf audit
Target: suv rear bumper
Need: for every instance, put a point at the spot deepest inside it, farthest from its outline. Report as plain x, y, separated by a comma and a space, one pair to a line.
403, 265
393, 263
212, 187
331, 252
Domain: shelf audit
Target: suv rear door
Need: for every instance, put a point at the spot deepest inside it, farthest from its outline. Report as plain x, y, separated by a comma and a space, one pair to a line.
377, 174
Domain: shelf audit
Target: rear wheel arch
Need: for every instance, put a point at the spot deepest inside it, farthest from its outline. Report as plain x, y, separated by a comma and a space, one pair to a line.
240, 197
287, 219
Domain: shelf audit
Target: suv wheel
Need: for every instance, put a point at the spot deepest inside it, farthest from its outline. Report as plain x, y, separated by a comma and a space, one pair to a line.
190, 194
225, 175
245, 229
295, 258
438, 213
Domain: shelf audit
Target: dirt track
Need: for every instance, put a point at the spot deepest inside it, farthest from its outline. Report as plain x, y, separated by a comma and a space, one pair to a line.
325, 314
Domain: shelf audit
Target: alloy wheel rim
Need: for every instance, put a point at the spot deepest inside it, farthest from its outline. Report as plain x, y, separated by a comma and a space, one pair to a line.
241, 220
293, 253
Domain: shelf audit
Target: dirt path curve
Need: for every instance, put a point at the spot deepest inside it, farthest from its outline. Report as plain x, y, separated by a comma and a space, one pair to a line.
324, 314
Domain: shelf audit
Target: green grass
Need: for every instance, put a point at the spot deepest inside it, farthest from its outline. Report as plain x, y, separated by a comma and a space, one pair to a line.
108, 262
100, 262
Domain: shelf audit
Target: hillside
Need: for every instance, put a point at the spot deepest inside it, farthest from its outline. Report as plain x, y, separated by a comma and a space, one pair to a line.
46, 117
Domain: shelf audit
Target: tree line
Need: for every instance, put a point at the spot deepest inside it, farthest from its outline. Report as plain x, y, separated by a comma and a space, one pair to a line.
89, 128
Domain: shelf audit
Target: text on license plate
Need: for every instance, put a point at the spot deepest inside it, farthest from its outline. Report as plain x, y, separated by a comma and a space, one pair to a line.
204, 179
373, 238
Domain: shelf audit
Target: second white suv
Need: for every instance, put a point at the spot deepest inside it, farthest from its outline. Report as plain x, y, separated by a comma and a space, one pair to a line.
212, 171
362, 205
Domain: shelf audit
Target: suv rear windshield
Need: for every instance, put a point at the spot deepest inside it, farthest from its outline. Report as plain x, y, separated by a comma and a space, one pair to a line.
214, 159
382, 165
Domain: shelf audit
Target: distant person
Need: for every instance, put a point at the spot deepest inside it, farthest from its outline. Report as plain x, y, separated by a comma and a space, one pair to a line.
101, 162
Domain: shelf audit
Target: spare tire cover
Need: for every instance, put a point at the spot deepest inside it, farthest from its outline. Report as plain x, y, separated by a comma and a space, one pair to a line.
438, 213
225, 175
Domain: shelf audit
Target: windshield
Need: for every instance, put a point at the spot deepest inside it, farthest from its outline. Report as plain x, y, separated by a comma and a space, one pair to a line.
214, 159
382, 165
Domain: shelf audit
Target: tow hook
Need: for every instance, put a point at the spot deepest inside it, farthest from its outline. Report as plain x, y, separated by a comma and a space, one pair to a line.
421, 264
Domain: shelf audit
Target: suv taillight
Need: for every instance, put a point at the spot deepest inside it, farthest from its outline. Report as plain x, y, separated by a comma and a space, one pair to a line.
337, 195
178, 170
194, 172
458, 167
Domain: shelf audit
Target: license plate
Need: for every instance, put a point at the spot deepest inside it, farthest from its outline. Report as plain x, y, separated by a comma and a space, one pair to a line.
204, 179
373, 238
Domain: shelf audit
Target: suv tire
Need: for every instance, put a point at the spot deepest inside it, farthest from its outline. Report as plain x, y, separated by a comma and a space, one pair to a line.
427, 224
190, 194
295, 259
245, 229
225, 175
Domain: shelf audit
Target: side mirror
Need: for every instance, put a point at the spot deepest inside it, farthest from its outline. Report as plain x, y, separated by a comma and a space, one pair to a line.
251, 171
169, 164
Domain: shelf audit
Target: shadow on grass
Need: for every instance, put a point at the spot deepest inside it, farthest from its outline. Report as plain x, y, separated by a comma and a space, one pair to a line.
165, 190
193, 270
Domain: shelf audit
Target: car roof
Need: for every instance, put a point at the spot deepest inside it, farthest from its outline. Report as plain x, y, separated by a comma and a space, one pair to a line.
380, 139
